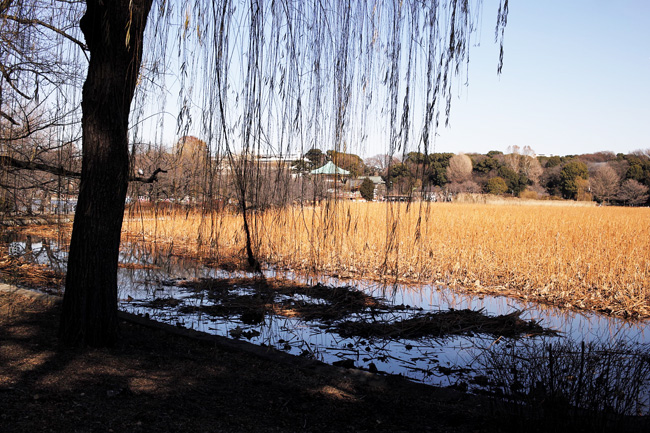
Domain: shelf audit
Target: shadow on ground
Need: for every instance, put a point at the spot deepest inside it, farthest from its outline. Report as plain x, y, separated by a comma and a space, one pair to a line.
156, 380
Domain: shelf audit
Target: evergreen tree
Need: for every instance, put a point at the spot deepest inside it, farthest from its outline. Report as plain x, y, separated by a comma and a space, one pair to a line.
367, 189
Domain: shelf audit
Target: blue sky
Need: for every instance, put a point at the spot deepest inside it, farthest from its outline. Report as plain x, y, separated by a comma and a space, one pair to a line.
576, 79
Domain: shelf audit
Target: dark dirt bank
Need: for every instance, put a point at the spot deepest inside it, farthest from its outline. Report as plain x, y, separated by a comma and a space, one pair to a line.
161, 379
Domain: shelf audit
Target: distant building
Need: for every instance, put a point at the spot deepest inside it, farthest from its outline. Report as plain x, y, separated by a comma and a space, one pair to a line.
332, 181
330, 169
271, 160
380, 185
376, 180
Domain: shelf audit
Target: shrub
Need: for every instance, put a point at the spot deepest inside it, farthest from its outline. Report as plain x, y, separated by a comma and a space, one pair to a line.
496, 186
528, 194
367, 189
607, 379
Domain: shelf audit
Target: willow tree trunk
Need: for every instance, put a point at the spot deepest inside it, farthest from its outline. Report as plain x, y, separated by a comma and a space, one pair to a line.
114, 32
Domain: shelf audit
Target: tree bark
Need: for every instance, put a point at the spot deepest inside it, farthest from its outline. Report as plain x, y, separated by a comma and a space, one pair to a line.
114, 33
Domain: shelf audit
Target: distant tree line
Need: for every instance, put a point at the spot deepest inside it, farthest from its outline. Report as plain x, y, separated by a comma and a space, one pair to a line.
195, 177
605, 177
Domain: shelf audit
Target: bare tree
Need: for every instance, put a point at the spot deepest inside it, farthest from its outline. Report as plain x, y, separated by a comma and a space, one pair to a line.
32, 66
642, 153
512, 158
467, 186
188, 170
41, 64
633, 193
381, 162
460, 168
524, 161
604, 183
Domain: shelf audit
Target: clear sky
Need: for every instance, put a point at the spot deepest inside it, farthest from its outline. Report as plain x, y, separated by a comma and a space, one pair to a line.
576, 79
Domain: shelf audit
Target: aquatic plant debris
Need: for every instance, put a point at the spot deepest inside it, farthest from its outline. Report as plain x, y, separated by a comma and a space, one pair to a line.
254, 298
344, 310
445, 323
298, 316
15, 270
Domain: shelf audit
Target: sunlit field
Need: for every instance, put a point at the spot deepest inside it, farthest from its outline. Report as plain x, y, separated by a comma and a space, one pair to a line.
578, 257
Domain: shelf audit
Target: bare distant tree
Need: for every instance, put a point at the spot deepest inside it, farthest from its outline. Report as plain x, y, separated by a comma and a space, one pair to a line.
642, 153
460, 168
531, 168
190, 165
524, 161
633, 192
604, 183
381, 162
511, 158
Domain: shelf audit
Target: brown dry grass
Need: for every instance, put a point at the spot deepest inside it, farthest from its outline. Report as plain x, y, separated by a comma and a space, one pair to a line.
17, 271
579, 257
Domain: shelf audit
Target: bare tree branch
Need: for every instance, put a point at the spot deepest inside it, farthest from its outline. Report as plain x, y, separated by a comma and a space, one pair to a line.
8, 161
33, 21
9, 81
8, 117
151, 179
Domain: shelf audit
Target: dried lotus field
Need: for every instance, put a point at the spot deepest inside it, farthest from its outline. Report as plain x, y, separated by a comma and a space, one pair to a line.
593, 258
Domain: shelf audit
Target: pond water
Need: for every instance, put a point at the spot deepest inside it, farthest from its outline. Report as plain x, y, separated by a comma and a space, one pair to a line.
145, 276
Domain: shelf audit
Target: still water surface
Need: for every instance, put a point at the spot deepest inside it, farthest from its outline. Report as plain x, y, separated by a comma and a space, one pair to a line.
440, 361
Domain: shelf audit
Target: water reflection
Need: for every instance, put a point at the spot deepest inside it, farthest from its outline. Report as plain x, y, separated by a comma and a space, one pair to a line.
153, 272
